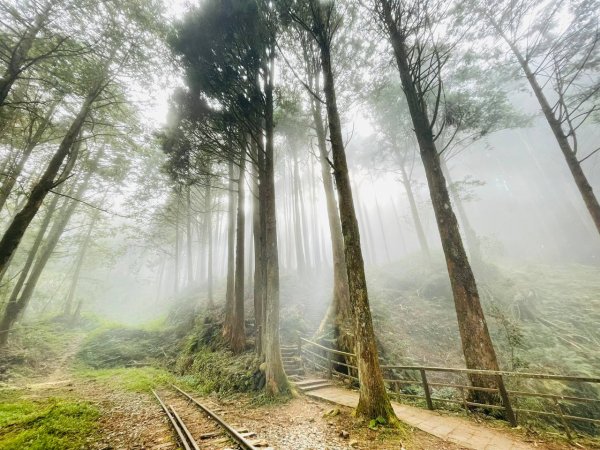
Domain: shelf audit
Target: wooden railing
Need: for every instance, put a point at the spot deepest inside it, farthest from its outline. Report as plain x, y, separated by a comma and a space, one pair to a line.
343, 364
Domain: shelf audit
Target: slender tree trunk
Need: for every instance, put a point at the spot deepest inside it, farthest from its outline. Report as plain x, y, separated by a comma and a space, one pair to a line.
316, 238
414, 212
340, 311
300, 255
159, 284
382, 230
238, 336
373, 399
470, 235
13, 235
399, 222
476, 341
276, 381
209, 237
188, 228
78, 266
258, 236
584, 186
230, 289
176, 256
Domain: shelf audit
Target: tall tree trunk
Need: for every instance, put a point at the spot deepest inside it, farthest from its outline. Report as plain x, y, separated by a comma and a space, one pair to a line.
189, 240
209, 237
13, 235
230, 289
276, 381
258, 237
414, 212
78, 266
317, 248
373, 399
340, 311
238, 335
298, 237
176, 255
470, 235
476, 341
584, 186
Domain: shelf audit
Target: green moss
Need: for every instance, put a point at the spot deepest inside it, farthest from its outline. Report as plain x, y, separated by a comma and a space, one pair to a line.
47, 424
134, 379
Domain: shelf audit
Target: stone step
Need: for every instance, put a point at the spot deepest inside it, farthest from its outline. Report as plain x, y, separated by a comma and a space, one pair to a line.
311, 381
314, 387
294, 371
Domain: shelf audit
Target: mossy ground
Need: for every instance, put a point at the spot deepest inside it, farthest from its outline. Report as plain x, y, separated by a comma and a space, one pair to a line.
45, 424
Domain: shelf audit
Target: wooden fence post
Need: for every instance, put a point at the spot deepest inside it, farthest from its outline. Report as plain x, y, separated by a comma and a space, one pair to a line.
426, 389
510, 414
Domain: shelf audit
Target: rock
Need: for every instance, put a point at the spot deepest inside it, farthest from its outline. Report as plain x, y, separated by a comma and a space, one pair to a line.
344, 434
332, 412
353, 443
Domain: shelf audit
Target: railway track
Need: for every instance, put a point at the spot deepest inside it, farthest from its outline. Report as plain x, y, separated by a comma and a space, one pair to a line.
222, 436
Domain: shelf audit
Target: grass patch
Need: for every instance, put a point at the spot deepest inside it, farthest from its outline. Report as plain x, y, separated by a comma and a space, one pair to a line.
119, 347
48, 424
133, 379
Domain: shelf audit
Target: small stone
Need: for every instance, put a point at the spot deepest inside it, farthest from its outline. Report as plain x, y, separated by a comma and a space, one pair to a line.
344, 434
353, 443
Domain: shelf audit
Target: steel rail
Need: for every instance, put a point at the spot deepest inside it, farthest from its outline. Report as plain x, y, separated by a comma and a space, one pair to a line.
237, 437
173, 422
184, 428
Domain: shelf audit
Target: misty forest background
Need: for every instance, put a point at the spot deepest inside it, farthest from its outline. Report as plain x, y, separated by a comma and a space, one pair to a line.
163, 162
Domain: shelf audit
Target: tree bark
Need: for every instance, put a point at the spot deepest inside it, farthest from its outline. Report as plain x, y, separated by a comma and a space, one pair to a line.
228, 324
238, 335
259, 244
276, 381
476, 341
373, 399
13, 235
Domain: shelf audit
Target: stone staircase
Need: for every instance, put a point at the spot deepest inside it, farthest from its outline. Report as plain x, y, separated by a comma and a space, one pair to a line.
292, 362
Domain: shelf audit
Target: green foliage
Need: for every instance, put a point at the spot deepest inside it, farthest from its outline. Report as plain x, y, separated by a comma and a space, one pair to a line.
374, 424
35, 346
49, 424
134, 379
118, 347
221, 371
